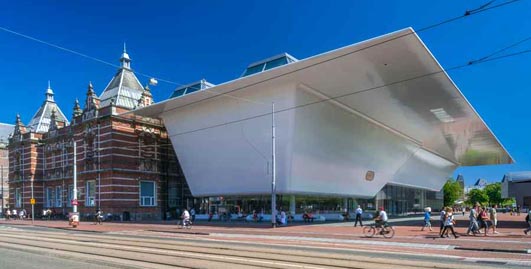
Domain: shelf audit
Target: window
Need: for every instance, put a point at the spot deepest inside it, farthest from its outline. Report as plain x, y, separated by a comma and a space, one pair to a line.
276, 63
70, 195
49, 197
58, 196
89, 193
254, 69
193, 88
147, 193
18, 198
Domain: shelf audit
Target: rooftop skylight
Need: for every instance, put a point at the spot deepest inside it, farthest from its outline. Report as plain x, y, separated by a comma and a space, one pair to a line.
190, 88
269, 63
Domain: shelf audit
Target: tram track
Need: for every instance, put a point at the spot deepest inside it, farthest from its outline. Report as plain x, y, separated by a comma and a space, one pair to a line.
234, 255
154, 255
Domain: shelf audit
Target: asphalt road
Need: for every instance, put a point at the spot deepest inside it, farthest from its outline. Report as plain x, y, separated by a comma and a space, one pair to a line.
35, 247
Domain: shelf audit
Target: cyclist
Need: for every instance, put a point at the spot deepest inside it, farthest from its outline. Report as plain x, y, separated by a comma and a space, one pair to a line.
381, 219
186, 218
98, 217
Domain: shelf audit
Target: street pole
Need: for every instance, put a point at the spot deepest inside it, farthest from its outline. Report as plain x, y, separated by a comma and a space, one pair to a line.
2, 171
32, 204
75, 179
274, 176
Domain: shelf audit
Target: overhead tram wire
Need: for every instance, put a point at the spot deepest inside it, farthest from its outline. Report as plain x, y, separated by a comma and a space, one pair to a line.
499, 51
482, 8
114, 65
467, 13
353, 93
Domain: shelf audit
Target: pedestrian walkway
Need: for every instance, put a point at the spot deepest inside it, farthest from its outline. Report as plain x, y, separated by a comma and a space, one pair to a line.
408, 234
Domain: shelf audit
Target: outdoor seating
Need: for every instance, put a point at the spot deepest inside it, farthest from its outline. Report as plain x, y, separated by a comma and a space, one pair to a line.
308, 217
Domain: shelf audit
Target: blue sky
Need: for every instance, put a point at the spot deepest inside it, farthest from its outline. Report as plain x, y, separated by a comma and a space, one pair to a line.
184, 41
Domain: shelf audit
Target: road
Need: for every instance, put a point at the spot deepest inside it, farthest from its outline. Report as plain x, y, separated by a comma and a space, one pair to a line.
38, 247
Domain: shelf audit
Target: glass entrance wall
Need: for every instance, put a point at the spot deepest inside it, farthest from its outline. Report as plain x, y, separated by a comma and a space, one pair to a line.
397, 201
402, 201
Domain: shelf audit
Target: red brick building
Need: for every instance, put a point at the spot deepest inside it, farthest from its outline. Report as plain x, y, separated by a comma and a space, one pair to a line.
5, 131
125, 164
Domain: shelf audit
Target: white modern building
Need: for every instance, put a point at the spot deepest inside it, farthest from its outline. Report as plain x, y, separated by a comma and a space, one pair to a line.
378, 122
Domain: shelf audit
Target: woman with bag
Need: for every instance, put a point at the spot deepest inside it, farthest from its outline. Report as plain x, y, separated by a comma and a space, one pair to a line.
483, 218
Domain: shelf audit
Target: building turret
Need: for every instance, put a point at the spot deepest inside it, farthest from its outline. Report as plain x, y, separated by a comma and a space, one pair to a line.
147, 98
40, 123
124, 88
19, 130
77, 109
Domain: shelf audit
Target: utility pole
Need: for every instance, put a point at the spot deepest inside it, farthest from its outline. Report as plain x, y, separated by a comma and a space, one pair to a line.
32, 204
274, 172
2, 171
75, 179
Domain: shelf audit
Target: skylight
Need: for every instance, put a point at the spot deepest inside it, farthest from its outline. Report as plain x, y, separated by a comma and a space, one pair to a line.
442, 115
269, 63
190, 88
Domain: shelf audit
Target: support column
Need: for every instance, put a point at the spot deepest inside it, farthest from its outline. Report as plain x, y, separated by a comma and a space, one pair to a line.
292, 205
345, 205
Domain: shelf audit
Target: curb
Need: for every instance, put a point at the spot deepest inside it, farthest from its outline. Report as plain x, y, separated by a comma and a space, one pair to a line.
176, 232
518, 251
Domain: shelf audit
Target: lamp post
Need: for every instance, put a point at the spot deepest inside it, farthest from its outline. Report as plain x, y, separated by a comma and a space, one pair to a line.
74, 191
273, 165
32, 204
2, 176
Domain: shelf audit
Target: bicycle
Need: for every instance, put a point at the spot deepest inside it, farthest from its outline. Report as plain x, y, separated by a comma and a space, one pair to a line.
185, 224
387, 230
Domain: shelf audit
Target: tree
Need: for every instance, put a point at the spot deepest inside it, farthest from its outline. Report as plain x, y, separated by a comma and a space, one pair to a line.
452, 191
477, 196
493, 191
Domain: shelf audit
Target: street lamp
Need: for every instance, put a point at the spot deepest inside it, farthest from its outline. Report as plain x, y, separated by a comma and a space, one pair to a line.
274, 170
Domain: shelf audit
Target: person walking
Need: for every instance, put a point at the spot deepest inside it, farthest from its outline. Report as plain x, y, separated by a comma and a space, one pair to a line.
8, 214
473, 226
449, 224
528, 221
494, 219
483, 218
192, 213
358, 212
442, 219
427, 218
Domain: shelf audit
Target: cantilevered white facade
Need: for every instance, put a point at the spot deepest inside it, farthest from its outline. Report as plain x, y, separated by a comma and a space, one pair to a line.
384, 105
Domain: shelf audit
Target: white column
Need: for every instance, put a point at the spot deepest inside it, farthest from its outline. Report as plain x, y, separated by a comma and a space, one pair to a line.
345, 205
292, 205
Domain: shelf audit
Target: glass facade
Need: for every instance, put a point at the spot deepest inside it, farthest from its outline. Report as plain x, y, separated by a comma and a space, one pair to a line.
396, 200
400, 200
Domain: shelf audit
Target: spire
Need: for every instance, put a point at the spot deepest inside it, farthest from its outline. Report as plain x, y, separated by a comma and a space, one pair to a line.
77, 109
53, 121
18, 121
125, 60
49, 93
92, 99
146, 99
90, 89
19, 127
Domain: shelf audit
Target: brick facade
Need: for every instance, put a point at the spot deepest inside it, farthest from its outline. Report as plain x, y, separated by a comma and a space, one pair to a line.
116, 155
